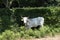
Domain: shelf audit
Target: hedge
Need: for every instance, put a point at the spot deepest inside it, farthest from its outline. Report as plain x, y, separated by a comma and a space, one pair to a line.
12, 17
51, 14
5, 19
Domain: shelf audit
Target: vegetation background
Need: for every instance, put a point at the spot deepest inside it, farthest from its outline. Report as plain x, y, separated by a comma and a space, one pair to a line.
11, 26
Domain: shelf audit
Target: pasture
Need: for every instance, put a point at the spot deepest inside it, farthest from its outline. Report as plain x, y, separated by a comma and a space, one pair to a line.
12, 28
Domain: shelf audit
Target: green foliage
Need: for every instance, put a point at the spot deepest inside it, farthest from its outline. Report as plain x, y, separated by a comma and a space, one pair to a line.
9, 35
29, 3
5, 19
51, 14
12, 18
10, 22
36, 33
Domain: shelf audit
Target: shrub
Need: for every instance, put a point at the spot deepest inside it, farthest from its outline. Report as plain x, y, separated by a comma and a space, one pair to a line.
51, 14
5, 19
52, 20
9, 35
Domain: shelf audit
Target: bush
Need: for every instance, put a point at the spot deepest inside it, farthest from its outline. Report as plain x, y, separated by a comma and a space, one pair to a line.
36, 33
10, 22
5, 19
51, 14
9, 35
12, 18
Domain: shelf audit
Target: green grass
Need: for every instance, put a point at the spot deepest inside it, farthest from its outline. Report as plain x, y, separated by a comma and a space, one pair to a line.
23, 33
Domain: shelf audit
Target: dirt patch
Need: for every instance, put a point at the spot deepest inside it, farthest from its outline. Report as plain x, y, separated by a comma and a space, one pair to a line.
57, 37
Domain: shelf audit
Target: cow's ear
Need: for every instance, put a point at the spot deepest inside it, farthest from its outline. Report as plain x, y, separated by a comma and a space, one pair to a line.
28, 17
21, 19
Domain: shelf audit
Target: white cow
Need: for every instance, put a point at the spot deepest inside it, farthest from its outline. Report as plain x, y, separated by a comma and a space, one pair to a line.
34, 22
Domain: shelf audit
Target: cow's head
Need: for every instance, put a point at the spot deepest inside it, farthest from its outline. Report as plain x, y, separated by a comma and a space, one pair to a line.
24, 19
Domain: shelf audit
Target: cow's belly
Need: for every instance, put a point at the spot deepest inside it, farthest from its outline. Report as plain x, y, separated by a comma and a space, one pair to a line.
35, 24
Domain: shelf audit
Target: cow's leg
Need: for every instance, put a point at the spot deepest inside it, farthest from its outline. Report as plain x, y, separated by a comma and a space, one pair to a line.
41, 25
28, 27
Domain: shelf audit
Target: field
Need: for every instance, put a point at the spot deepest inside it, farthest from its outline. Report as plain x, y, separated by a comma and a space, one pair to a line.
11, 27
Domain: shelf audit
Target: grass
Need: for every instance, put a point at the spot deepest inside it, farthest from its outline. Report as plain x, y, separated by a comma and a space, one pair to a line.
23, 33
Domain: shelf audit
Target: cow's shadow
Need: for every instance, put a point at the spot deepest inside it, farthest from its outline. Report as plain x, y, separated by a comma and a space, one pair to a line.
38, 27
